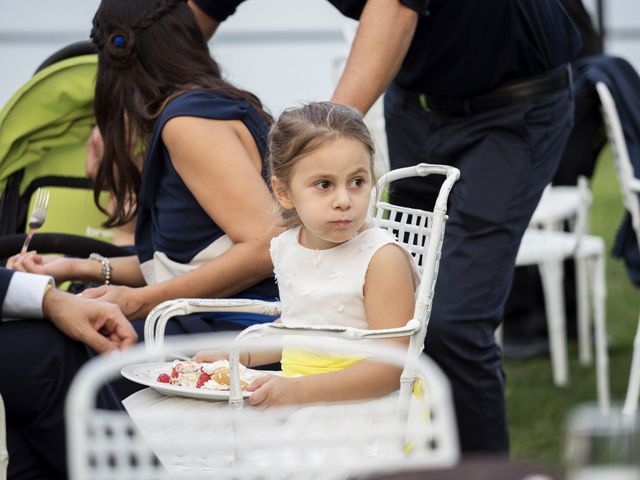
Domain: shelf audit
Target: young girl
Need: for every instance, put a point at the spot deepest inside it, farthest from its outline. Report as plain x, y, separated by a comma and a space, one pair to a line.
331, 267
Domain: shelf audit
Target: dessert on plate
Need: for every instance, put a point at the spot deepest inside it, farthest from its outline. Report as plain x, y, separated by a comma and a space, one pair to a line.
209, 376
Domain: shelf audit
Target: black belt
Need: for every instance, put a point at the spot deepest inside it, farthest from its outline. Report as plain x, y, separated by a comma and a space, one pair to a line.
509, 94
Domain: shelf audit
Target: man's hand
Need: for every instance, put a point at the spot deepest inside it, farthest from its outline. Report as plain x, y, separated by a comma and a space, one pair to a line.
100, 325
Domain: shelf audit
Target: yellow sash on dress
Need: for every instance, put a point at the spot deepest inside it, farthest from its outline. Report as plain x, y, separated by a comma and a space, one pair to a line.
297, 362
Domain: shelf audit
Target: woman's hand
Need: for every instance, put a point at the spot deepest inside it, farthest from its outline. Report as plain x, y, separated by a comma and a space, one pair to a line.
272, 390
60, 268
127, 298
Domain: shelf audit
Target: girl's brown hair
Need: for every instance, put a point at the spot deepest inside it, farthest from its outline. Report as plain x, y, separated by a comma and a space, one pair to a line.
149, 51
301, 130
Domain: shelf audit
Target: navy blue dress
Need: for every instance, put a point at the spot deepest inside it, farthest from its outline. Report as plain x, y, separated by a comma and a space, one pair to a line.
170, 219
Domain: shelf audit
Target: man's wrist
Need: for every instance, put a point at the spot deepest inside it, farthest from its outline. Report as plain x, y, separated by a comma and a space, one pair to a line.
24, 295
50, 301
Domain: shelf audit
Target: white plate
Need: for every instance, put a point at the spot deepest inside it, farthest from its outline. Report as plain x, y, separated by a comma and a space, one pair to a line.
146, 374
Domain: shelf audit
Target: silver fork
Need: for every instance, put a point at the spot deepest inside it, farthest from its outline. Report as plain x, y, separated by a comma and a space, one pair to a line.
38, 216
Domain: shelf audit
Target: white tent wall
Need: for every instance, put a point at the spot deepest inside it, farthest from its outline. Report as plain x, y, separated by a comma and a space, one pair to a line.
283, 50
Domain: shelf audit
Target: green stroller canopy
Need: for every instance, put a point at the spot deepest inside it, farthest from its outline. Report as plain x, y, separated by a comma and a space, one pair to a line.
53, 110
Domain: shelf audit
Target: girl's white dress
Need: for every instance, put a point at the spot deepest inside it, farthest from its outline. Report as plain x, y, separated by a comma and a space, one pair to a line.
316, 287
324, 287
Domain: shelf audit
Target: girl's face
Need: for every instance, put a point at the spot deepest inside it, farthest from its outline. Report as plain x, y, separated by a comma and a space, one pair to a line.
330, 190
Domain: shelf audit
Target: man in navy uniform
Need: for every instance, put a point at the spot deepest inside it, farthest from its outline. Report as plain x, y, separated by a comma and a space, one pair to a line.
483, 86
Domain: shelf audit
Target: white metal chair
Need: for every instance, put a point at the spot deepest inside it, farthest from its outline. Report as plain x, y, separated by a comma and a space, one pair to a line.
559, 205
185, 438
630, 189
547, 248
558, 208
419, 231
4, 455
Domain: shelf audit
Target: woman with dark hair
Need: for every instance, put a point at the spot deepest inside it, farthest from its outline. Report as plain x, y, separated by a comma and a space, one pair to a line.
205, 216
204, 212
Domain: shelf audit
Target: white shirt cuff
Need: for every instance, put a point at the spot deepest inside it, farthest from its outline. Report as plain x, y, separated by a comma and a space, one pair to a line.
25, 295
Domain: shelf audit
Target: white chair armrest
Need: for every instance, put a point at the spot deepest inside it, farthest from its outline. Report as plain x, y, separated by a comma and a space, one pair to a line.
157, 319
264, 329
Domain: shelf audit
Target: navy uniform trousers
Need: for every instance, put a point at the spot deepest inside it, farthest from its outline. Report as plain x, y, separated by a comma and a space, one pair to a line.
506, 156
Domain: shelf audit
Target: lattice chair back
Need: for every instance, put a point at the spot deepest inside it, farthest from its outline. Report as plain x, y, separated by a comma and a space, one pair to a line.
421, 232
176, 437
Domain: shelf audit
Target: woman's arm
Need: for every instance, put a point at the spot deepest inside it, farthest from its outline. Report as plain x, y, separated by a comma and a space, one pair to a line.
220, 164
389, 302
124, 270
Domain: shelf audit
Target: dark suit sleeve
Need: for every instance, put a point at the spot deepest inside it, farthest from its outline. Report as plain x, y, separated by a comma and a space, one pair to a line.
5, 279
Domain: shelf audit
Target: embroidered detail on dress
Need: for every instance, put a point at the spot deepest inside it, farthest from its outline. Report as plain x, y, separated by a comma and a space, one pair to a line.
368, 244
317, 257
309, 291
285, 277
336, 273
340, 305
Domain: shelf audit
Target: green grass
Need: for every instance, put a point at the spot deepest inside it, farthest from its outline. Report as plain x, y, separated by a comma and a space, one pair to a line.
537, 409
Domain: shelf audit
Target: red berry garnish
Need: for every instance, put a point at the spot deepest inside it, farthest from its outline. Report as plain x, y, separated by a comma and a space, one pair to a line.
202, 379
163, 378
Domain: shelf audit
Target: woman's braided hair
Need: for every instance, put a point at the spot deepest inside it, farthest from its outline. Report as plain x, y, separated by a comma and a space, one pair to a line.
149, 52
119, 44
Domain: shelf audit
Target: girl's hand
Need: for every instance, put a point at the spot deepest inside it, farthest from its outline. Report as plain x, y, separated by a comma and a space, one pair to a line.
60, 268
209, 356
272, 390
127, 298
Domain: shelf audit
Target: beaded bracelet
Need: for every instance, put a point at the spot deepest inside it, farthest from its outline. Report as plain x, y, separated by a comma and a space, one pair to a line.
105, 266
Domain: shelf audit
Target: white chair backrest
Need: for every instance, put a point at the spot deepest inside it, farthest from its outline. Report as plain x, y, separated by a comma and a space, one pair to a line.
421, 232
214, 441
628, 179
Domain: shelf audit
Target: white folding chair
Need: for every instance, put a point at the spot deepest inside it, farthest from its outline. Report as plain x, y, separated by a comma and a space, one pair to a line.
547, 248
184, 438
630, 189
419, 231
558, 208
4, 455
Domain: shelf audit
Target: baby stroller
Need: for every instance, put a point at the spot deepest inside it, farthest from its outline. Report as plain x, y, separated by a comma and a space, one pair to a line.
44, 128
